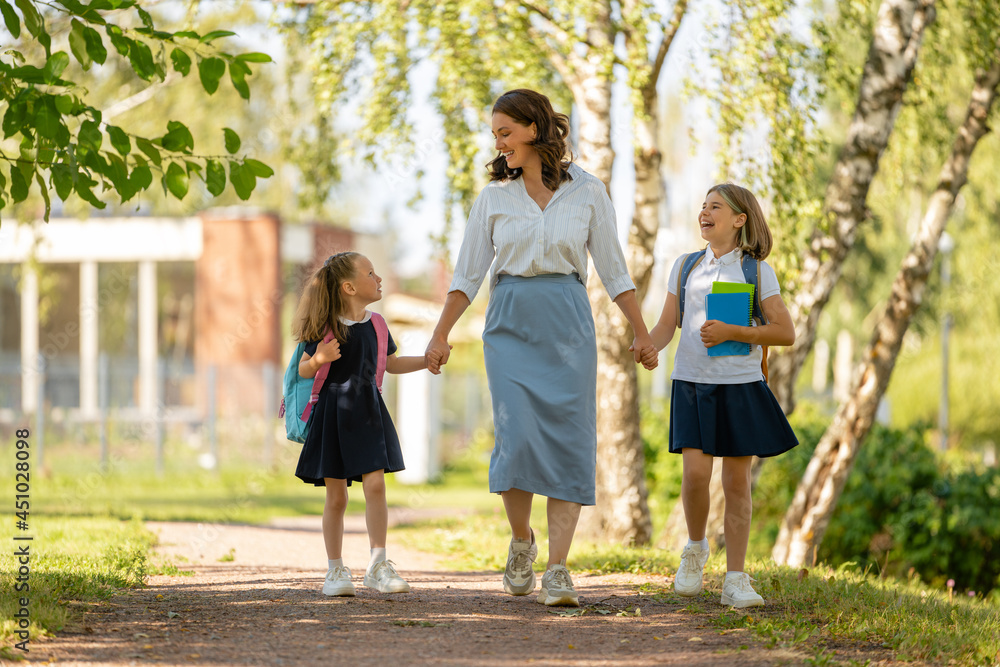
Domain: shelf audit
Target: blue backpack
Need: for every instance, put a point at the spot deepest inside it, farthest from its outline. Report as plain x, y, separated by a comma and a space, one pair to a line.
300, 394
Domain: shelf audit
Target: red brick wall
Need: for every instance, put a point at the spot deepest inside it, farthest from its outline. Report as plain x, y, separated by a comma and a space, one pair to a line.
238, 293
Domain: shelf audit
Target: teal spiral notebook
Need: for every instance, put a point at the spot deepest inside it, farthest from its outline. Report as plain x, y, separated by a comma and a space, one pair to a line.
731, 308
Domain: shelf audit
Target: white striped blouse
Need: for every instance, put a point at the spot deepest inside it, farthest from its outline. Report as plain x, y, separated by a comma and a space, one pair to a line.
508, 231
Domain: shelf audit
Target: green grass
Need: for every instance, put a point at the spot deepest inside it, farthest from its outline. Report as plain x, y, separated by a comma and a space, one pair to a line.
810, 609
74, 561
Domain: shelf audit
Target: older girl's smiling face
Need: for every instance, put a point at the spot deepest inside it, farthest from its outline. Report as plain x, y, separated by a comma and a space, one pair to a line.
719, 223
513, 140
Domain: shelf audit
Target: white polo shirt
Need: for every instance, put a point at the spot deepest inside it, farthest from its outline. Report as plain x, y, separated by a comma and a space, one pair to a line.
692, 362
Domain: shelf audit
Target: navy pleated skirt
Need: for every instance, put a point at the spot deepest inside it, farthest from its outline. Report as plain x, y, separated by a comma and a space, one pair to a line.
728, 419
541, 362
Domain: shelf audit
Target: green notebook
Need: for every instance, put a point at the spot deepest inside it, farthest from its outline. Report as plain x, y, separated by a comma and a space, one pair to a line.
730, 288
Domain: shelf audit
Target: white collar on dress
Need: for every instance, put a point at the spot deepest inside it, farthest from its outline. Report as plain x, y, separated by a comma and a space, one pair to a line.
351, 323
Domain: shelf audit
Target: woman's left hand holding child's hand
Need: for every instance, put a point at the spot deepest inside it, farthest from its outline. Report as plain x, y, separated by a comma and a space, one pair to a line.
714, 332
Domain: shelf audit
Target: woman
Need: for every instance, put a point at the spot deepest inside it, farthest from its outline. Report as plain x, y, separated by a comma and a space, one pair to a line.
530, 229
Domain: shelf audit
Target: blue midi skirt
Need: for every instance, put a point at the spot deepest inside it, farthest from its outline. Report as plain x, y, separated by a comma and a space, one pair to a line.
541, 363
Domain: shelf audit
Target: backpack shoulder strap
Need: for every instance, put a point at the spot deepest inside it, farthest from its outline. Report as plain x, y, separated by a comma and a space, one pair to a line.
751, 274
318, 382
688, 263
382, 333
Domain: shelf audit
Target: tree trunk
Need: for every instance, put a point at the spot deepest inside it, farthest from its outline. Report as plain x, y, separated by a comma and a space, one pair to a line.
896, 39
809, 515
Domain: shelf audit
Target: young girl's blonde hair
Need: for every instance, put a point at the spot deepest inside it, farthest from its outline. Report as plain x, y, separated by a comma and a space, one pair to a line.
322, 302
754, 238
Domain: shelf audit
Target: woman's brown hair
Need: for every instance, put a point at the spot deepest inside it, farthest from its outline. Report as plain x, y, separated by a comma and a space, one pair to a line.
551, 140
322, 302
754, 238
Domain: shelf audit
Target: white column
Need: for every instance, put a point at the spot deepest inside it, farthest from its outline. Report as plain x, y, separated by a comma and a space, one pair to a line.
821, 365
147, 337
413, 412
29, 339
88, 339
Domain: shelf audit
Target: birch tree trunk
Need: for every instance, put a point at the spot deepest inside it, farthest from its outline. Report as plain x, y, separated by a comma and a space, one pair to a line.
809, 515
898, 30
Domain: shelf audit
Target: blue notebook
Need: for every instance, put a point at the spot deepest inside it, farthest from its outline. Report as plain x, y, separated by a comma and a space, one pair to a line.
731, 308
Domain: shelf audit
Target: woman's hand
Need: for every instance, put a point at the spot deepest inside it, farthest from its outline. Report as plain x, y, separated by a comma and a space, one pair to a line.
436, 355
647, 354
327, 352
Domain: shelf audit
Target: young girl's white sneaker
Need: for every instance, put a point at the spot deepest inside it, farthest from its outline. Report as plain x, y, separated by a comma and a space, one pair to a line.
338, 582
688, 580
384, 578
737, 591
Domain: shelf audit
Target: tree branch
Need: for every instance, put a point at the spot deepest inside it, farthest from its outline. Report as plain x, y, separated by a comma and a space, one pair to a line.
669, 32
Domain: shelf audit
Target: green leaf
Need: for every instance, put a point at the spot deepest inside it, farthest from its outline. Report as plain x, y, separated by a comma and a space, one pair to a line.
83, 185
242, 179
32, 19
62, 179
141, 178
18, 186
66, 104
181, 61
178, 137
95, 45
232, 140
11, 18
190, 34
47, 117
90, 135
121, 43
44, 189
150, 149
141, 58
119, 139
56, 65
215, 177
16, 116
144, 16
255, 57
216, 34
78, 44
237, 74
211, 70
258, 168
176, 180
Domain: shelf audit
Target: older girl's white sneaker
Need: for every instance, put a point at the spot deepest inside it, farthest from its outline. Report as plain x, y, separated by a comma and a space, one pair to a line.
737, 591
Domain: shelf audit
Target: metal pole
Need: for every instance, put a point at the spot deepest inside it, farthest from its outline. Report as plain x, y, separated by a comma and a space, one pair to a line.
161, 398
104, 400
946, 245
40, 409
213, 443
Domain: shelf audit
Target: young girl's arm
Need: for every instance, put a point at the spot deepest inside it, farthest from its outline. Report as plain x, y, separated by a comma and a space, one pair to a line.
325, 353
663, 331
779, 329
397, 365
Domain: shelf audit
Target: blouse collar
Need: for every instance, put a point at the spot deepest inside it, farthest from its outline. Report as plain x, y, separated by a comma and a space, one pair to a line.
729, 258
351, 323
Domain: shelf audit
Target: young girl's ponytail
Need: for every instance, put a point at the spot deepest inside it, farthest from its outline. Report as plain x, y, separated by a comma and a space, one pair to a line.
322, 303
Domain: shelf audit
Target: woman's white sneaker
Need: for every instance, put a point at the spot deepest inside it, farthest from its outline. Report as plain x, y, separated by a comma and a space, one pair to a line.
737, 592
688, 580
338, 582
557, 588
518, 577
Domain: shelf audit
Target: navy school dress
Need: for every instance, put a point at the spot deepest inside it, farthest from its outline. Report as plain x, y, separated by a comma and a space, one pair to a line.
350, 431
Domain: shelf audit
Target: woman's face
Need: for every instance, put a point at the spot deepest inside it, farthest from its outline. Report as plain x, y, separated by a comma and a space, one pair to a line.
512, 140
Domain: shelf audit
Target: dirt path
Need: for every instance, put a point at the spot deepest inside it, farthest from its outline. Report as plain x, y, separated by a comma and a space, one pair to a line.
254, 599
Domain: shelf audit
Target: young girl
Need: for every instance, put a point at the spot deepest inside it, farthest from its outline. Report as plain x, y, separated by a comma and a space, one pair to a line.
351, 437
721, 406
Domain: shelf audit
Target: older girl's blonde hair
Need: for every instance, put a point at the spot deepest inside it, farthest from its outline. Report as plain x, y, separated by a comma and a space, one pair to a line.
322, 301
754, 238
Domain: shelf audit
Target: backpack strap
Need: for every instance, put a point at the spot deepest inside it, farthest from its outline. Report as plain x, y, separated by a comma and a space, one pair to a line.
751, 273
382, 333
318, 382
688, 263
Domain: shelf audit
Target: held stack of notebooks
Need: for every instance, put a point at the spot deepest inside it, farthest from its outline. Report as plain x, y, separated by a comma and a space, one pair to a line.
731, 303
